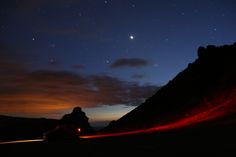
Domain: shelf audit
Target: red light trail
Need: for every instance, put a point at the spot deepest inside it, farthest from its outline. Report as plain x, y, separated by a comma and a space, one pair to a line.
216, 108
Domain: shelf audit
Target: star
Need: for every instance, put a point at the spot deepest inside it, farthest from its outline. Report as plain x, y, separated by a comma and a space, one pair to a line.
80, 14
105, 2
155, 65
33, 39
196, 10
108, 61
52, 61
131, 37
52, 45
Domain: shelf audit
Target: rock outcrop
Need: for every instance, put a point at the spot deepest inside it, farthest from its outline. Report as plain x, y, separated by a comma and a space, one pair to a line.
214, 71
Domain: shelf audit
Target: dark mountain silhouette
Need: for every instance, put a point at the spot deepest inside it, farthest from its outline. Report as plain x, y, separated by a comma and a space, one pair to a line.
212, 72
15, 128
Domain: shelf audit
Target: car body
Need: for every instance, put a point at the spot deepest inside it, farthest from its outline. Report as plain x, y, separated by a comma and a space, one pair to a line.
63, 132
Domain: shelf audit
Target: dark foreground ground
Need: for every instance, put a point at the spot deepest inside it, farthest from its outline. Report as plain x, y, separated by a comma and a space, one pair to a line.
187, 142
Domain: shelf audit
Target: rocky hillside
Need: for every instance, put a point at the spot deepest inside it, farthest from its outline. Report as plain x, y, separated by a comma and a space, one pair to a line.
212, 73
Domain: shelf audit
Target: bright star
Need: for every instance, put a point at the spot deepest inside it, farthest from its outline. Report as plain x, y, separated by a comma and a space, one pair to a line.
131, 37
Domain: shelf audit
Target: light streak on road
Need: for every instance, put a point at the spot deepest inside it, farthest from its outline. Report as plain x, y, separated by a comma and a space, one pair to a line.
22, 141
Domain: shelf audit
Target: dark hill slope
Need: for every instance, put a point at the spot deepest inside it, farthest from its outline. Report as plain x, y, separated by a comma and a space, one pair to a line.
212, 72
15, 128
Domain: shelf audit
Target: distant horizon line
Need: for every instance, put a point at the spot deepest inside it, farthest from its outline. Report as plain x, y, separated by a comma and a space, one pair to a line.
96, 124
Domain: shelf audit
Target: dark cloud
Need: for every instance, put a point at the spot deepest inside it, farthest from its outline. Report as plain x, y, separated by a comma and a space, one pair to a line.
28, 92
85, 90
129, 62
46, 92
138, 76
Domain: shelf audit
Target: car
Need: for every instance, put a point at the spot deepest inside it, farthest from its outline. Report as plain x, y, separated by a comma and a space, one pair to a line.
62, 133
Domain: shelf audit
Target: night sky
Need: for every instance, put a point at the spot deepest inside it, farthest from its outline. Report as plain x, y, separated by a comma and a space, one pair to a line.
106, 56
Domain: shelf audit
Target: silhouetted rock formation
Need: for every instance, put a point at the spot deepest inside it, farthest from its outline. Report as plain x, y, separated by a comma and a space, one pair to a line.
70, 127
78, 119
214, 70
